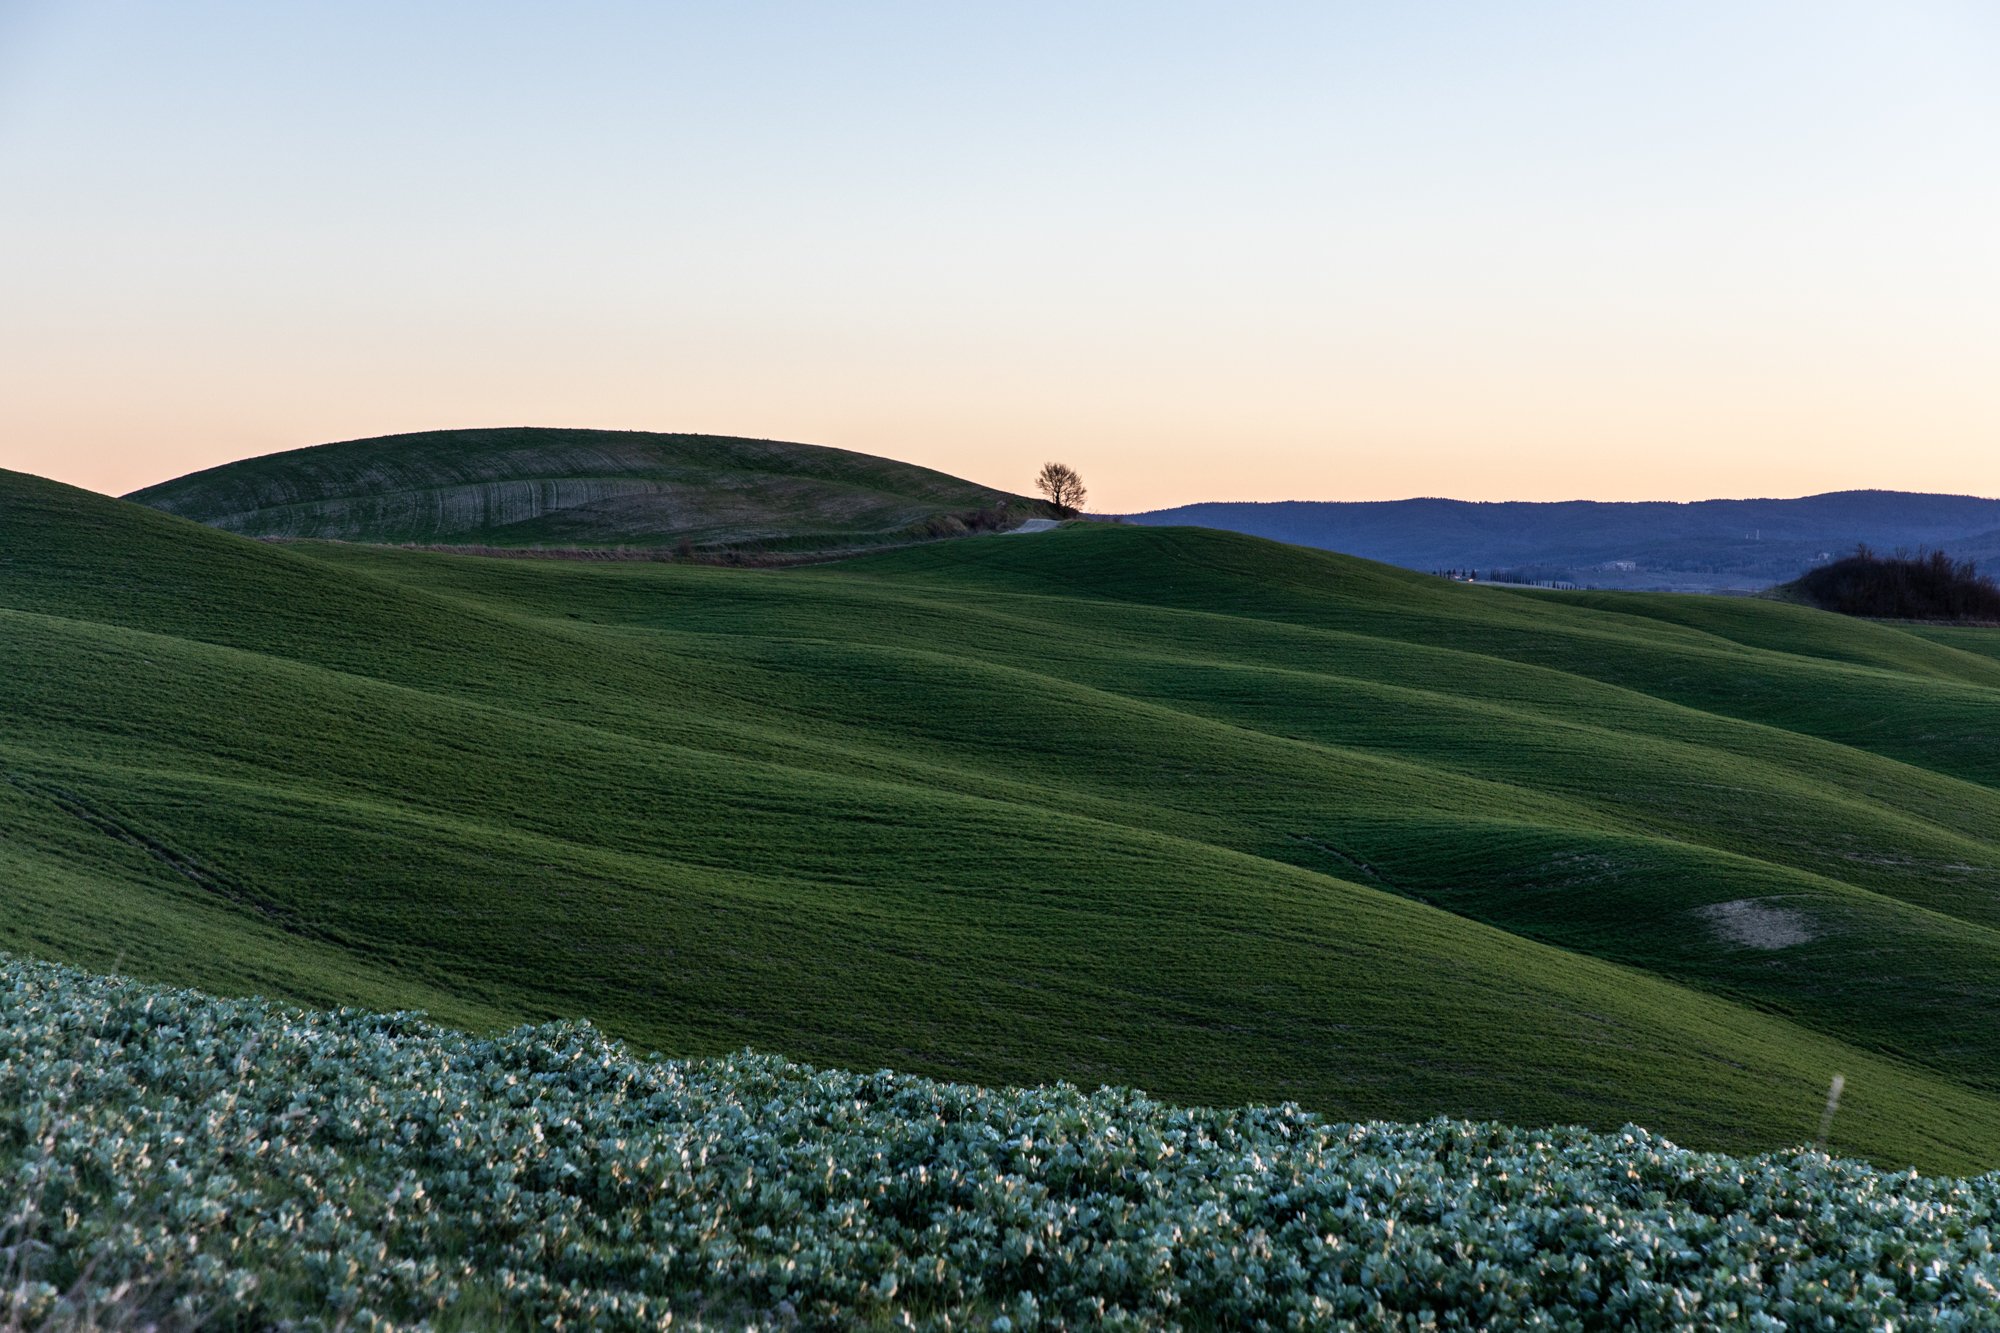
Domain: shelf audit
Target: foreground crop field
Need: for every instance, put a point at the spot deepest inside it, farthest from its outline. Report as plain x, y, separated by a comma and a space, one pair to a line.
230, 1163
1198, 813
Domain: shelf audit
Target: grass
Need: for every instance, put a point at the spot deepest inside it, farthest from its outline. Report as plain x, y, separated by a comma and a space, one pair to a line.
527, 488
1223, 819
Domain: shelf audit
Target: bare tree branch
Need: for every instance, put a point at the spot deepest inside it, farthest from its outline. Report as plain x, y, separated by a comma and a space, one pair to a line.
1063, 486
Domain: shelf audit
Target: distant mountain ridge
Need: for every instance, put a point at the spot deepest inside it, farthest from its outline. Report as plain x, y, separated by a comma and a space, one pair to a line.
549, 487
1703, 544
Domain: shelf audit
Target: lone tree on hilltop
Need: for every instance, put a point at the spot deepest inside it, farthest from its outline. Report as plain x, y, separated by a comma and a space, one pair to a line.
1064, 487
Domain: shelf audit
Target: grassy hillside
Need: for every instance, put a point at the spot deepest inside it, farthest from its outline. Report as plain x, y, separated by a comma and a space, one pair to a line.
1223, 819
564, 488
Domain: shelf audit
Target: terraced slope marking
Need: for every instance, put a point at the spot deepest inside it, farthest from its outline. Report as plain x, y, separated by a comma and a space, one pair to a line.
535, 487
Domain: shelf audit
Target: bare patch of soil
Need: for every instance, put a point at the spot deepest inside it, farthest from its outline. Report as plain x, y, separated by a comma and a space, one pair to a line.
1757, 925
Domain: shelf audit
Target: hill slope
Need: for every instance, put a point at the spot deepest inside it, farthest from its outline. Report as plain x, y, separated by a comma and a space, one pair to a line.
535, 487
1173, 808
1708, 544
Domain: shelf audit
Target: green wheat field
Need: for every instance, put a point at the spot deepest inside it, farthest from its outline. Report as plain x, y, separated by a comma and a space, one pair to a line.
1215, 817
1162, 808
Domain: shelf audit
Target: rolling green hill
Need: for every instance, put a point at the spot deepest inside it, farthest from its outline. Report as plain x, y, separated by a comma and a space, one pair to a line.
527, 487
1224, 819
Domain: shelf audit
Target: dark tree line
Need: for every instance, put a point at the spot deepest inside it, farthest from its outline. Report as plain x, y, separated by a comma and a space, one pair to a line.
1929, 585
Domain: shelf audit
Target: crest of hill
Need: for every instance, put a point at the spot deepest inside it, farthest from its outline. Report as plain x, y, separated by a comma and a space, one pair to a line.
529, 487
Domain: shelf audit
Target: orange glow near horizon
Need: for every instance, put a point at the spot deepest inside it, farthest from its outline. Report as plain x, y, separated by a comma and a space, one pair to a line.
1383, 454
1139, 446
1304, 252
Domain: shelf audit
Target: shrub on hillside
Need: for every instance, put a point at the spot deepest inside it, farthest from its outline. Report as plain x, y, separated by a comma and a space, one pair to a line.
990, 518
1929, 585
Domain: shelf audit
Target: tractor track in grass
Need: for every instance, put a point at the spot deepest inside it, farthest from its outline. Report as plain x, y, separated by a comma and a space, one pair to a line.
203, 877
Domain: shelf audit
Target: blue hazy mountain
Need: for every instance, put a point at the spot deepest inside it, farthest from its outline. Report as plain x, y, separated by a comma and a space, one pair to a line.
1704, 544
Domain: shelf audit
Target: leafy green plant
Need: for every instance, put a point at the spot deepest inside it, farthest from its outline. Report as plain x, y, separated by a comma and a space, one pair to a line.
259, 1165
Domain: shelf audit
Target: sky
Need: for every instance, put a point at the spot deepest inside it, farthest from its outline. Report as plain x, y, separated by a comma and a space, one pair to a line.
1222, 251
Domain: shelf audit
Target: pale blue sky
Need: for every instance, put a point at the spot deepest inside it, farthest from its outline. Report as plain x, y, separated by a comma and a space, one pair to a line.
1200, 251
